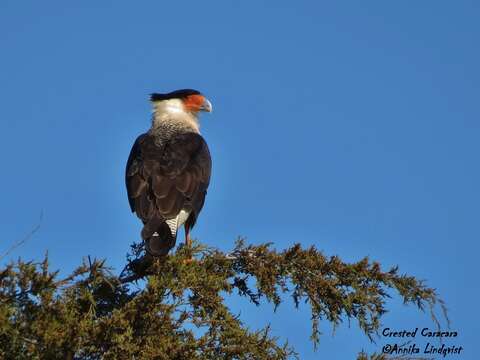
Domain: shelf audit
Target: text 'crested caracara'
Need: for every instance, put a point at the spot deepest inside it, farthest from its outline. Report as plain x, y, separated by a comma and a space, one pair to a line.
168, 170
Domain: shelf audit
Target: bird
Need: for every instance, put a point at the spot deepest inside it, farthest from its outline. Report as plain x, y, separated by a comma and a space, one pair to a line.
168, 170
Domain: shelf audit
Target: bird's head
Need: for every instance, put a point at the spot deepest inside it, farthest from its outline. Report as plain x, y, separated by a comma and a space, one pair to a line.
185, 100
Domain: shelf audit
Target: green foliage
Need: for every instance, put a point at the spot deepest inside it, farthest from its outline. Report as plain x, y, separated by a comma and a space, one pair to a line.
179, 312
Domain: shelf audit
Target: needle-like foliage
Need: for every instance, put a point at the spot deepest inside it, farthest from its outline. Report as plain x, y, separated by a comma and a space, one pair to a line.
178, 311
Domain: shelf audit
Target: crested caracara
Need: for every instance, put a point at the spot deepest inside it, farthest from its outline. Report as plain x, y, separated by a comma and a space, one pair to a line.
168, 170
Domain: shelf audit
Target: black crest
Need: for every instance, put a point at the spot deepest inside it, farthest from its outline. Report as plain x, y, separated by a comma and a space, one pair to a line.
177, 94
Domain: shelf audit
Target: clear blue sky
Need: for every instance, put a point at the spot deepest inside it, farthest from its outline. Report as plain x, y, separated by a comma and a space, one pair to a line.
352, 126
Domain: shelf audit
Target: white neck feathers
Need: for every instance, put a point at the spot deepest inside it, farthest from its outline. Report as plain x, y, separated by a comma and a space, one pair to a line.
171, 113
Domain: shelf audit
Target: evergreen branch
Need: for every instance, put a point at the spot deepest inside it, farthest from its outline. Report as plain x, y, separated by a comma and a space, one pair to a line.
180, 312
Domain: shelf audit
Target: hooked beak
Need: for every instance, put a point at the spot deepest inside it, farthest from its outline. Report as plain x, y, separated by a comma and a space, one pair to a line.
206, 106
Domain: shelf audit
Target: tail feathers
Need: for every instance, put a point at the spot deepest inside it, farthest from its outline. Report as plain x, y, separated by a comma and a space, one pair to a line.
158, 237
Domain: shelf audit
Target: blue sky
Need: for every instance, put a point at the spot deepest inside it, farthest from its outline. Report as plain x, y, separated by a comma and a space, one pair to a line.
352, 126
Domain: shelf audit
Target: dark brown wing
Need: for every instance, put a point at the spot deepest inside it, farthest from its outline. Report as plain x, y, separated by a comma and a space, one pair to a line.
133, 181
164, 179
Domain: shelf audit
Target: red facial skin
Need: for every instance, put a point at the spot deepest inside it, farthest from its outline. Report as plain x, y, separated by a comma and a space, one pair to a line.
193, 103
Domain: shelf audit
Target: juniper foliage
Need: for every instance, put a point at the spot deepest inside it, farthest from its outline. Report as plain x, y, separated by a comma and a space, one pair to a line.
179, 310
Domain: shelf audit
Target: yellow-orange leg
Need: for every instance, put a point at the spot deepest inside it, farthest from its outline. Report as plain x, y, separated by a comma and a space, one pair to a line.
188, 240
188, 243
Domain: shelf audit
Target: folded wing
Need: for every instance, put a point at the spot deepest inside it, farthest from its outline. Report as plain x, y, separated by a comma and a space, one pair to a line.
164, 178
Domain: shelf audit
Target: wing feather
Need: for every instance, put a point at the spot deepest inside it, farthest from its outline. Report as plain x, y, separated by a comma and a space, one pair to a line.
164, 179
161, 186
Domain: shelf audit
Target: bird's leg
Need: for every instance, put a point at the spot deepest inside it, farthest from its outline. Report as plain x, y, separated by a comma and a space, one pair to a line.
188, 243
188, 239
